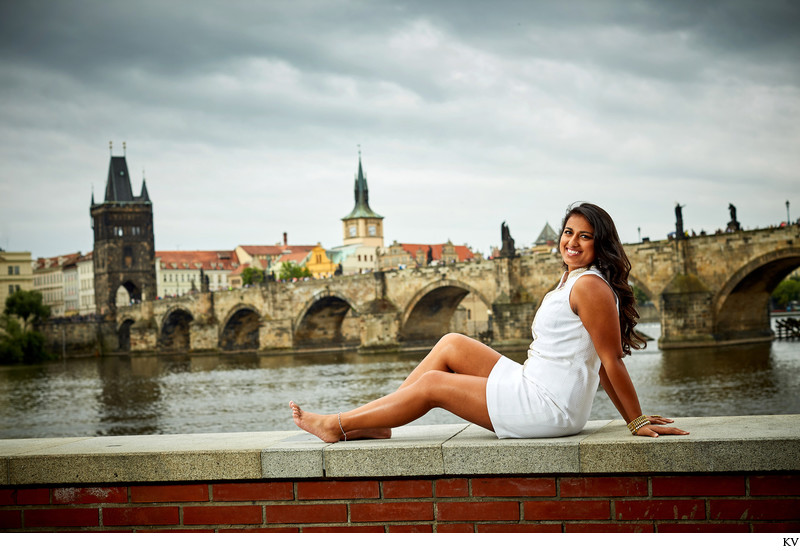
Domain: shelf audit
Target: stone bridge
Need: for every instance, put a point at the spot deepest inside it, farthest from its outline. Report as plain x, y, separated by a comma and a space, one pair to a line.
708, 290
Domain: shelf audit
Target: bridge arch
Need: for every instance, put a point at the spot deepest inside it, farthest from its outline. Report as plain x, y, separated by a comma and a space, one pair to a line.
174, 333
326, 319
642, 286
126, 293
239, 332
741, 306
124, 334
427, 315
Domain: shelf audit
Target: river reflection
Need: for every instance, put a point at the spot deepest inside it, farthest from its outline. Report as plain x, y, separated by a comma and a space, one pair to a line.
195, 394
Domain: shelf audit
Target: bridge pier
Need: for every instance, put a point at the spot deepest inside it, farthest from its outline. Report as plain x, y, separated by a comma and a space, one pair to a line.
275, 334
512, 322
689, 317
203, 336
379, 331
686, 313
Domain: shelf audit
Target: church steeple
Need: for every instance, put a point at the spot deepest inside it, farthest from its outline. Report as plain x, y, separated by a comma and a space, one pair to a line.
363, 225
362, 208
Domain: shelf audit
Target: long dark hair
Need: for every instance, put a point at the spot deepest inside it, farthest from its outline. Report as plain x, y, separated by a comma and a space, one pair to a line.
612, 262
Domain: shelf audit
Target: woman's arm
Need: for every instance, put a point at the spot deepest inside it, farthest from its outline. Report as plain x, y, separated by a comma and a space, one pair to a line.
593, 301
609, 389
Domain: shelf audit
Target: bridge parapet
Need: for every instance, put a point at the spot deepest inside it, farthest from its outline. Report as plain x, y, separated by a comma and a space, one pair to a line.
709, 290
720, 290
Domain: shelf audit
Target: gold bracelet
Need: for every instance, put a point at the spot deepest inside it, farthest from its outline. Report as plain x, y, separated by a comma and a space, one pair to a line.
638, 423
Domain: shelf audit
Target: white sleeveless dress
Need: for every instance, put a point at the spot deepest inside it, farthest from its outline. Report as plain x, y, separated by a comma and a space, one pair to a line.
552, 393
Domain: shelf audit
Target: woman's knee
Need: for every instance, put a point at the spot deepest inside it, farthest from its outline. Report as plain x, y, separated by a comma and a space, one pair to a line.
453, 341
432, 384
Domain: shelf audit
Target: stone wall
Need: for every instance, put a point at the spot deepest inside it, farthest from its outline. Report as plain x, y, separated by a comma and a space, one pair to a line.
733, 474
76, 337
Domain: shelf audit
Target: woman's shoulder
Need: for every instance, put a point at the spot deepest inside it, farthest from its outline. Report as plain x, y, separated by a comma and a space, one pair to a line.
595, 289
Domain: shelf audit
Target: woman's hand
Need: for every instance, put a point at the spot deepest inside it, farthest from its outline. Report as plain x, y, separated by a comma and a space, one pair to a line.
658, 420
654, 430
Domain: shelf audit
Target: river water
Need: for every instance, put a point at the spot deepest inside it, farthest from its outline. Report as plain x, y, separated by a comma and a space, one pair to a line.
244, 393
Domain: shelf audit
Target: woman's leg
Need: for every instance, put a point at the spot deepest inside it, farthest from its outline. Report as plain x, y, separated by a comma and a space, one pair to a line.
454, 353
463, 395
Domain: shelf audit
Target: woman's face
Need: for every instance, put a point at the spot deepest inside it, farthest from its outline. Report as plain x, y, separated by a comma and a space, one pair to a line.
577, 243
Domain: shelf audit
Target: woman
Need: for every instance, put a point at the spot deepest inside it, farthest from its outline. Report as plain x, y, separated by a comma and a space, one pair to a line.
581, 332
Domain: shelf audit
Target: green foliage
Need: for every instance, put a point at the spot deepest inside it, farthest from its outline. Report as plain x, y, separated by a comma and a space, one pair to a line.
252, 276
639, 295
290, 270
20, 342
27, 306
786, 291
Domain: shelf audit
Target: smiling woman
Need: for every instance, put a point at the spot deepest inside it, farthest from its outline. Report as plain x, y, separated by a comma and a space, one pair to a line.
581, 331
577, 242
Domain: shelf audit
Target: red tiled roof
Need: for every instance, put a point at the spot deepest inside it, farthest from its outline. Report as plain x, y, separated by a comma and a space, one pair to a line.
462, 251
261, 250
294, 256
207, 260
273, 250
54, 261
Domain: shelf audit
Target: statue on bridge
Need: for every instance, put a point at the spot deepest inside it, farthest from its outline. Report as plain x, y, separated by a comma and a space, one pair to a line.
508, 250
733, 225
679, 221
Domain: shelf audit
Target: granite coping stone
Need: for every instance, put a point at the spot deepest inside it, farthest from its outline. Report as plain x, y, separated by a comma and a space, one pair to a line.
478, 451
716, 444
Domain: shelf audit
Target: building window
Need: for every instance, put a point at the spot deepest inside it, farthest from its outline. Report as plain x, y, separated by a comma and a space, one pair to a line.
352, 230
373, 230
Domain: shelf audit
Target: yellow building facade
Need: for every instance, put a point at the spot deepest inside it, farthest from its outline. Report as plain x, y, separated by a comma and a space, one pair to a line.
319, 264
16, 273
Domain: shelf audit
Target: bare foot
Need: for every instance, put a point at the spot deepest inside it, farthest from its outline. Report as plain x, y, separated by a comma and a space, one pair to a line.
324, 427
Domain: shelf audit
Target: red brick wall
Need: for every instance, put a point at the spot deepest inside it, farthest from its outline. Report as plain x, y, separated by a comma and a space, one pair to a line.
651, 503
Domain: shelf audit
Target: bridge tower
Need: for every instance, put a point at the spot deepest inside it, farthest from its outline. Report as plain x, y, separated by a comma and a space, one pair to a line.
124, 245
362, 226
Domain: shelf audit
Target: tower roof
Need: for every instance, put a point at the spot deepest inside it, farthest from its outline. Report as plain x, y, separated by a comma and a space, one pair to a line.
144, 196
118, 184
362, 208
547, 234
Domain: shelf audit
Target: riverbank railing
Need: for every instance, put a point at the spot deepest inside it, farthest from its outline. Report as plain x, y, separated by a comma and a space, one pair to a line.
788, 329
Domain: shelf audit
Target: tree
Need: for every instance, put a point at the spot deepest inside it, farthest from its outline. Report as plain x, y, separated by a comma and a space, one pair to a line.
21, 342
787, 291
639, 295
252, 276
27, 306
290, 270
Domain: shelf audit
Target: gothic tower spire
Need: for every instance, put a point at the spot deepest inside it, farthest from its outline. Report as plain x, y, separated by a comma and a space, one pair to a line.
363, 225
124, 243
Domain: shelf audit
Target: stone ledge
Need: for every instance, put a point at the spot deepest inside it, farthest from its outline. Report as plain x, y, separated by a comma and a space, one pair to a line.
716, 444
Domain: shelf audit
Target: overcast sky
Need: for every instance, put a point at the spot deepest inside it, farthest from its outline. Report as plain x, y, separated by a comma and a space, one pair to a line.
246, 117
